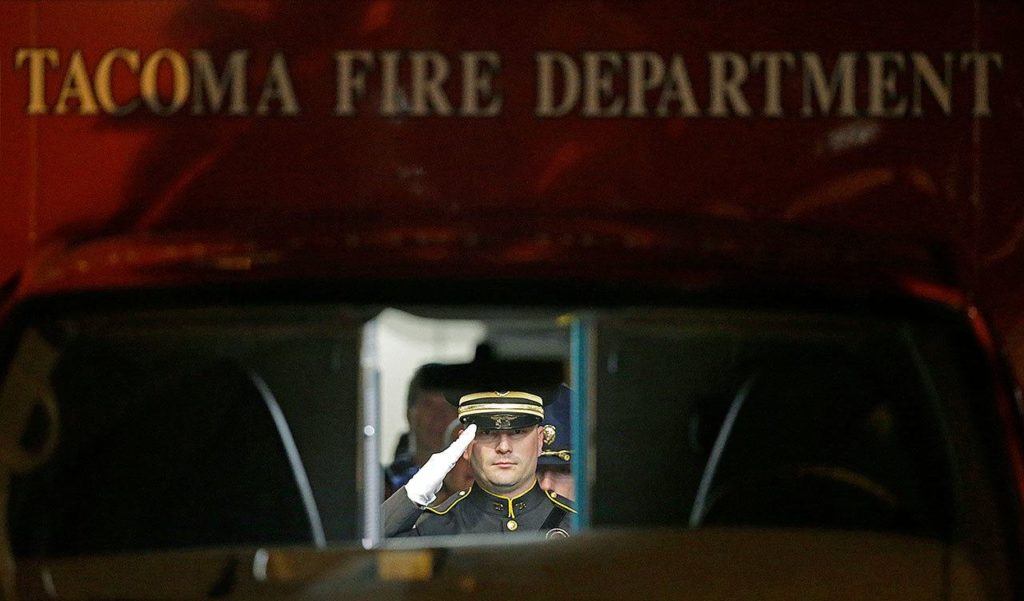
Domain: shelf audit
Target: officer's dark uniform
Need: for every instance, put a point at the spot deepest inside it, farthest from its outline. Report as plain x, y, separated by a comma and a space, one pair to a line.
477, 511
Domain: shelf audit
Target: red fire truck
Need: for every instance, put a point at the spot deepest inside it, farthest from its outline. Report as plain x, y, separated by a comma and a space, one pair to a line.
773, 249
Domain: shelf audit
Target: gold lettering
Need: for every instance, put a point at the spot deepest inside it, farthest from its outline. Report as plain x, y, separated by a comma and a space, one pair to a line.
773, 63
728, 72
941, 90
429, 71
678, 88
278, 86
104, 87
840, 83
478, 70
882, 86
980, 60
546, 62
205, 83
149, 87
38, 59
351, 83
77, 85
599, 69
646, 73
392, 97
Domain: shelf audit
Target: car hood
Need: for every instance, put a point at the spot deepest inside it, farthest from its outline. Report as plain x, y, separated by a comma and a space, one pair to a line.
649, 564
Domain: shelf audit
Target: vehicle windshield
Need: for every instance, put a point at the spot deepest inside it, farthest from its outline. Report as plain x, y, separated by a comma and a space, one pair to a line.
284, 424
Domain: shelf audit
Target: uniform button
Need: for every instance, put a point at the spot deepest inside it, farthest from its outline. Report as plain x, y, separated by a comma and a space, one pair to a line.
512, 525
462, 492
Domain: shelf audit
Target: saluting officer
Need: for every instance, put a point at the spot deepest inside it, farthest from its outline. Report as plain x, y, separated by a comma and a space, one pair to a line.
502, 441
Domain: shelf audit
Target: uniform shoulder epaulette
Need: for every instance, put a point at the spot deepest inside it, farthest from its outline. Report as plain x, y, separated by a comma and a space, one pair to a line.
559, 501
448, 503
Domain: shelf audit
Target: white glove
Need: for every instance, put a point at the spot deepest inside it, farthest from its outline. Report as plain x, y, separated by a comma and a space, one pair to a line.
423, 486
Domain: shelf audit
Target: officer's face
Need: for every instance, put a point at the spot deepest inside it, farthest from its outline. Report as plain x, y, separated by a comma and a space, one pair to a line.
557, 479
505, 461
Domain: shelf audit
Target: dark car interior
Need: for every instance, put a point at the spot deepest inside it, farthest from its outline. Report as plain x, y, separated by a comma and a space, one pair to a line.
770, 427
813, 441
243, 429
181, 440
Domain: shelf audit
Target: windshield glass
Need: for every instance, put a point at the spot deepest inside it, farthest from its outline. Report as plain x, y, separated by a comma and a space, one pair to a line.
770, 419
292, 424
192, 428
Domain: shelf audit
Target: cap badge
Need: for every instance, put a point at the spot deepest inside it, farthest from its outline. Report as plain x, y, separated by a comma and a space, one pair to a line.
549, 434
503, 421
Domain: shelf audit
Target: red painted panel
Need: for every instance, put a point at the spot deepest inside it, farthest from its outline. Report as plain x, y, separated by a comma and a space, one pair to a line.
16, 167
932, 177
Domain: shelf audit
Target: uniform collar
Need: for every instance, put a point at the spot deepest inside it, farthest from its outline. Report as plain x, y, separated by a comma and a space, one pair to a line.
506, 507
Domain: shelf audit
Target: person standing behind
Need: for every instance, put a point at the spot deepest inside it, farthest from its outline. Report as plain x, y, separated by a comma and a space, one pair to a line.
554, 466
429, 413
